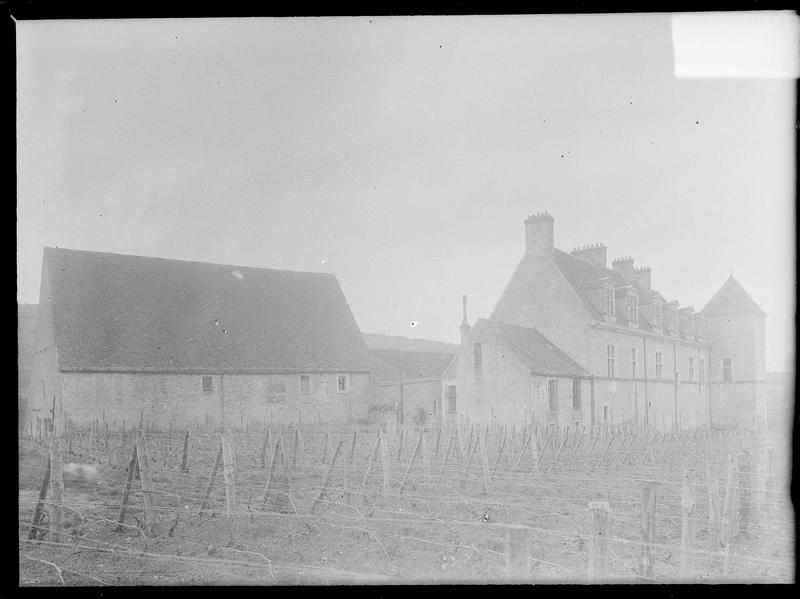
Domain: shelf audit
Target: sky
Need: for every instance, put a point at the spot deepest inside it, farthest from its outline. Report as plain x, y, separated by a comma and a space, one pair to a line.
403, 154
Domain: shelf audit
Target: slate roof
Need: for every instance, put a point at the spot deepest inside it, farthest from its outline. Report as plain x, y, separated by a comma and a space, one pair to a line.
578, 272
131, 313
412, 364
730, 299
535, 351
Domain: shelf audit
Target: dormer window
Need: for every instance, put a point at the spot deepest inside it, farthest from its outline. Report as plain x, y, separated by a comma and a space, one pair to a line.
632, 308
609, 305
658, 315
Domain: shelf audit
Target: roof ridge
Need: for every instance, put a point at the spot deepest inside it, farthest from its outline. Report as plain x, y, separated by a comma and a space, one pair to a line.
54, 250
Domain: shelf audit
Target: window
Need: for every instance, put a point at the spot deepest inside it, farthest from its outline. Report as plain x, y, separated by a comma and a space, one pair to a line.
727, 370
434, 406
691, 368
305, 384
342, 383
276, 392
612, 360
605, 412
477, 352
702, 369
658, 315
672, 320
208, 385
552, 395
608, 301
659, 365
633, 363
632, 308
576, 394
451, 399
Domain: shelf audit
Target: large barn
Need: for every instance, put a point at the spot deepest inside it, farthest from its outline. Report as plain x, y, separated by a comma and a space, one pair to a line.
127, 338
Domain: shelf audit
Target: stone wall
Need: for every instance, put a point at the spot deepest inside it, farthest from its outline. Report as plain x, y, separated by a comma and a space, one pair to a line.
182, 400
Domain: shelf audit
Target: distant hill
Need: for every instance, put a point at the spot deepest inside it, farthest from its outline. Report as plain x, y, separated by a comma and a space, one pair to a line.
378, 341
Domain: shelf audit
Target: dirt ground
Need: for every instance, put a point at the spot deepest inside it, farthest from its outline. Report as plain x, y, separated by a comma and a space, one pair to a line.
448, 531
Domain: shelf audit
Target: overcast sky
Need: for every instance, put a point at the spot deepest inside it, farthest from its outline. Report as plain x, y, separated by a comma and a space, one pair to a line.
403, 154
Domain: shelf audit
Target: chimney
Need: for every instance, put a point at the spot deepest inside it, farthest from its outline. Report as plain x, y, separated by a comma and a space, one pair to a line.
539, 235
623, 266
464, 324
641, 274
594, 254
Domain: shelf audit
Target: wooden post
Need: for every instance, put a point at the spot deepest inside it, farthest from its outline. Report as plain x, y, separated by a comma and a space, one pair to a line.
517, 553
745, 491
499, 453
147, 485
372, 457
713, 512
522, 452
127, 489
426, 461
598, 550
325, 446
648, 528
228, 472
264, 447
299, 448
353, 446
185, 457
56, 492
450, 449
212, 477
687, 527
386, 463
275, 482
37, 512
727, 510
411, 463
328, 476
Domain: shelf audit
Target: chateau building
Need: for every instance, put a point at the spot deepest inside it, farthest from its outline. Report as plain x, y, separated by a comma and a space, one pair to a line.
636, 357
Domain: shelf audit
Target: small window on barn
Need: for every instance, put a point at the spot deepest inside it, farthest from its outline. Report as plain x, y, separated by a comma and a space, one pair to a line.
305, 384
343, 383
552, 395
434, 406
605, 412
478, 356
276, 392
208, 384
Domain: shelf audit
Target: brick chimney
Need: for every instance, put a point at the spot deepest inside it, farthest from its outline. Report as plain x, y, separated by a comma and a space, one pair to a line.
539, 235
641, 274
623, 266
594, 254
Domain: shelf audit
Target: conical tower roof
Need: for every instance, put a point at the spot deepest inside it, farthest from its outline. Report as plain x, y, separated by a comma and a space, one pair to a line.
731, 299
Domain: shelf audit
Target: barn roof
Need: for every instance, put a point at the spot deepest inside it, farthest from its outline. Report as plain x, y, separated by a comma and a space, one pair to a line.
131, 313
412, 364
536, 352
730, 299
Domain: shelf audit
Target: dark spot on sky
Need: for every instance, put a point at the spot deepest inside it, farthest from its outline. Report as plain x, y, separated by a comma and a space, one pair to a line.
697, 122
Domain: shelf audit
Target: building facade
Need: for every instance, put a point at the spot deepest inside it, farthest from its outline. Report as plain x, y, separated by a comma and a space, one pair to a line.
125, 339
650, 362
509, 374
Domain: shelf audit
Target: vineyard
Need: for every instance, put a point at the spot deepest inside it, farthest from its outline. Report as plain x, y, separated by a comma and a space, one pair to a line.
359, 505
